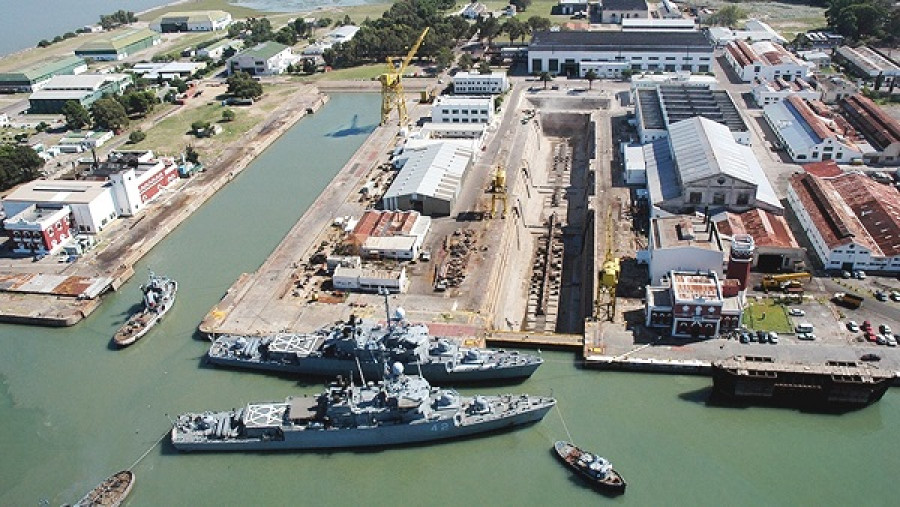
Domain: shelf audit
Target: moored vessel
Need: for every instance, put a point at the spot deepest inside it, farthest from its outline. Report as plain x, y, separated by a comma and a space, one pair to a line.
111, 492
359, 345
832, 384
158, 297
598, 471
398, 410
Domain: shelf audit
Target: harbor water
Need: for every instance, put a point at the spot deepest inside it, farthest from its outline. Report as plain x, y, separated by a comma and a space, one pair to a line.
73, 410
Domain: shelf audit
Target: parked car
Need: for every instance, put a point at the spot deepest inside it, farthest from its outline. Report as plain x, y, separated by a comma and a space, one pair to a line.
866, 325
870, 336
895, 295
860, 275
745, 338
846, 274
761, 336
870, 357
879, 339
806, 336
880, 295
885, 329
773, 337
796, 312
852, 326
891, 341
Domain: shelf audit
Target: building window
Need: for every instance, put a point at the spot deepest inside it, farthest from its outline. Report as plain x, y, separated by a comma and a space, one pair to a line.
553, 65
536, 64
719, 198
696, 198
743, 199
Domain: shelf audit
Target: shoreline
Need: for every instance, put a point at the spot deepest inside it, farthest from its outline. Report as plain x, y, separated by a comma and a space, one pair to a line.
118, 259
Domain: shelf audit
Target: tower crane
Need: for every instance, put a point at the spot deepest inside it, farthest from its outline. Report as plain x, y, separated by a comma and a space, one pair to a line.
609, 272
392, 85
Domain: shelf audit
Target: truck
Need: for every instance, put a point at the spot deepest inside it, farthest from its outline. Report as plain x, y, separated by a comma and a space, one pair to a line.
848, 299
784, 281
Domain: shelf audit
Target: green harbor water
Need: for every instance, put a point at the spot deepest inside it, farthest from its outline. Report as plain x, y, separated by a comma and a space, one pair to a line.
73, 411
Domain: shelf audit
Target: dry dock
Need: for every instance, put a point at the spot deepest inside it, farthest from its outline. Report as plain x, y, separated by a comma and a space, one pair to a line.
24, 299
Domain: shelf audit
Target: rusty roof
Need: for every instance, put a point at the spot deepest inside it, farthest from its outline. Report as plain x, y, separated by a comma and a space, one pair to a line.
691, 286
881, 129
766, 229
851, 207
384, 223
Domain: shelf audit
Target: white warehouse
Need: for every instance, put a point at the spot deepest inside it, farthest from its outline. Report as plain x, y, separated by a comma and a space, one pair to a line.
455, 109
465, 83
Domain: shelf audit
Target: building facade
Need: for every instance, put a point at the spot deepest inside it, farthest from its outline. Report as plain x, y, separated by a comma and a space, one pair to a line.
91, 202
35, 77
692, 305
118, 46
191, 21
869, 63
683, 243
457, 109
767, 92
881, 130
395, 235
265, 59
465, 83
84, 89
614, 11
810, 132
39, 230
763, 60
852, 222
429, 180
370, 279
573, 53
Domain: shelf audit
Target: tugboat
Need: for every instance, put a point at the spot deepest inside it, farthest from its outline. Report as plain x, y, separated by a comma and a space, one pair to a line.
399, 410
596, 470
111, 492
363, 346
158, 296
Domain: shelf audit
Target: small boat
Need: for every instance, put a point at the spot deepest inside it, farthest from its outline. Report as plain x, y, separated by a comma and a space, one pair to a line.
596, 470
158, 297
111, 492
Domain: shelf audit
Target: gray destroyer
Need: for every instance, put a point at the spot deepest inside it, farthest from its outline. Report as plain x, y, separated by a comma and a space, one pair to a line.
399, 410
365, 345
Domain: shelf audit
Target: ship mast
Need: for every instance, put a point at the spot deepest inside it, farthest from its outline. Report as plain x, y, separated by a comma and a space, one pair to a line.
387, 307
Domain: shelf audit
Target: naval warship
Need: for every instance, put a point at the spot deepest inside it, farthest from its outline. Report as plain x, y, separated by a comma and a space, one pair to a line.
363, 346
401, 409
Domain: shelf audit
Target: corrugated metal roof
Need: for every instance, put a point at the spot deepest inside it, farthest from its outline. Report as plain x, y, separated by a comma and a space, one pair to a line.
434, 170
704, 148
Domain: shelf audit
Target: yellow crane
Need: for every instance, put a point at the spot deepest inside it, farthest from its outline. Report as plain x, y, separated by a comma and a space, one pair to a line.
609, 272
392, 85
498, 192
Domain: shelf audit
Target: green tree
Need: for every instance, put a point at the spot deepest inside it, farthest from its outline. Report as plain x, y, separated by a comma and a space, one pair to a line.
77, 117
591, 76
43, 43
136, 136
309, 66
228, 115
191, 155
109, 114
515, 29
465, 61
484, 67
242, 85
42, 126
138, 102
18, 164
444, 59
488, 28
199, 126
728, 15
521, 5
538, 24
546, 78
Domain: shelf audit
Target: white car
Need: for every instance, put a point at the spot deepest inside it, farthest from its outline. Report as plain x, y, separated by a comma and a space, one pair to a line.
860, 275
853, 326
796, 312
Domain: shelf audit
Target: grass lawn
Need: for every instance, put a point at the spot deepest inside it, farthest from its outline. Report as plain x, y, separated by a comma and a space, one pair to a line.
363, 72
767, 316
236, 11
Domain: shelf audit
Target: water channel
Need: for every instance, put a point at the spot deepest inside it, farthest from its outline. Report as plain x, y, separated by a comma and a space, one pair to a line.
73, 411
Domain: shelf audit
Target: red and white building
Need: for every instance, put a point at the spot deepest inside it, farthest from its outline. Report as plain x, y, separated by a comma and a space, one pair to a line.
90, 203
880, 130
137, 177
39, 230
390, 234
693, 305
852, 221
765, 60
775, 246
767, 92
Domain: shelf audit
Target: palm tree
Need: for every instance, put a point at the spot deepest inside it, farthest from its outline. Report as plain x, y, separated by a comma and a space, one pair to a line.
546, 78
591, 76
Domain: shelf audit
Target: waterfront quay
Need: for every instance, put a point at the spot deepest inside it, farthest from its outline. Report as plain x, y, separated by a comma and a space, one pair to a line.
48, 292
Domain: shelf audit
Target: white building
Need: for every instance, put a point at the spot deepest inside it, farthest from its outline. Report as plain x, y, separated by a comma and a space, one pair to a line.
659, 107
191, 21
754, 31
39, 230
429, 180
91, 202
473, 10
668, 9
340, 34
869, 63
370, 279
763, 60
852, 222
810, 135
634, 164
573, 53
767, 92
264, 59
217, 50
834, 88
614, 11
684, 243
693, 305
458, 109
682, 78
701, 166
465, 83
137, 178
167, 70
658, 25
391, 234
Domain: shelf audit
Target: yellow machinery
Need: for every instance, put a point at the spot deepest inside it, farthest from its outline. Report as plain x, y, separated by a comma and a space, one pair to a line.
787, 280
498, 192
392, 85
609, 272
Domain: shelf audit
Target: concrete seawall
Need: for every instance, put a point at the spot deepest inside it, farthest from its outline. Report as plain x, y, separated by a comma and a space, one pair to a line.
126, 249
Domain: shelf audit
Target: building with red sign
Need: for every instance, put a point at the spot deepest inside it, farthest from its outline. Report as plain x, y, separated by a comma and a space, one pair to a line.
693, 305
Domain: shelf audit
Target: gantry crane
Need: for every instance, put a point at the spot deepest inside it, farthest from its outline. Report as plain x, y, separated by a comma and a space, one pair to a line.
609, 272
392, 85
498, 192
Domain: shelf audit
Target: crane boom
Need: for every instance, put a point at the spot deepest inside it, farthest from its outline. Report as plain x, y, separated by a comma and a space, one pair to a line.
413, 49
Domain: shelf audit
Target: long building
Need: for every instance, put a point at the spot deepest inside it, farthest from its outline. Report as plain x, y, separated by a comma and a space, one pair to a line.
880, 130
90, 203
263, 59
810, 132
84, 89
191, 21
33, 78
573, 53
465, 83
658, 107
457, 109
763, 60
767, 92
430, 179
869, 63
390, 234
852, 221
118, 46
